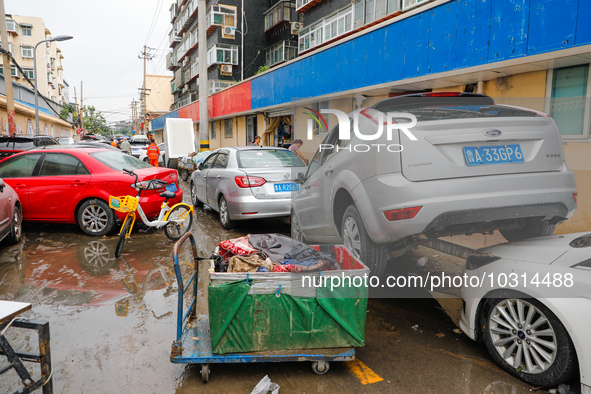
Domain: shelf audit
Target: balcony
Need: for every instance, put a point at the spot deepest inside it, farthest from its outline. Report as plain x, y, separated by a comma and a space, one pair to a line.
171, 62
173, 38
281, 52
279, 16
11, 27
305, 5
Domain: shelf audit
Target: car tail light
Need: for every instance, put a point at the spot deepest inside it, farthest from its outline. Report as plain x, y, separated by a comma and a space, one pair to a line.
249, 181
402, 214
442, 94
575, 197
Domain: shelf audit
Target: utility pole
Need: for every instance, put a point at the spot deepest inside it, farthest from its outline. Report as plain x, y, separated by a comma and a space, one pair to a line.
7, 74
203, 84
144, 92
81, 107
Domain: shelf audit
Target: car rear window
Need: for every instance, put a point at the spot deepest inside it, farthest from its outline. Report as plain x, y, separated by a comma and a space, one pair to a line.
268, 158
118, 160
441, 108
17, 143
140, 142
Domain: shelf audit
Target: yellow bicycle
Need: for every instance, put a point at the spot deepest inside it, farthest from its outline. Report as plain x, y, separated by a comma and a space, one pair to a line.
175, 220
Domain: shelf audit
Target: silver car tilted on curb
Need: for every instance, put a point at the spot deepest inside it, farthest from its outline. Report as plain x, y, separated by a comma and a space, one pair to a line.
474, 167
246, 183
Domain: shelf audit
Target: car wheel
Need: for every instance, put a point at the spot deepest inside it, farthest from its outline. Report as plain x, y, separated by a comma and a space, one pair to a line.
526, 339
146, 160
359, 243
95, 217
184, 174
532, 228
16, 227
296, 231
194, 199
225, 220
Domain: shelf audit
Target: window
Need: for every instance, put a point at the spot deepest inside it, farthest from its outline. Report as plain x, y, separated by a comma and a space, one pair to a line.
223, 16
208, 163
569, 92
228, 128
14, 71
268, 158
281, 52
10, 25
282, 11
327, 29
213, 131
27, 52
19, 167
221, 161
62, 164
28, 72
26, 30
222, 54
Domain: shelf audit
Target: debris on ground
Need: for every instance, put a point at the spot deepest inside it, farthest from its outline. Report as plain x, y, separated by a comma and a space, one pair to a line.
416, 328
265, 386
457, 331
440, 335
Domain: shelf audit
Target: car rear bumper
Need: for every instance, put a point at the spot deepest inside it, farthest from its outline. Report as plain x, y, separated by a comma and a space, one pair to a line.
249, 207
151, 205
456, 202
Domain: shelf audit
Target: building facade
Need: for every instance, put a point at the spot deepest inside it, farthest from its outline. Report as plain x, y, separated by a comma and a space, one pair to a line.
24, 33
530, 53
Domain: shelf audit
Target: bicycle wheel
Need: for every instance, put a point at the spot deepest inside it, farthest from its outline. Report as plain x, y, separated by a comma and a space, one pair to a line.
123, 235
180, 220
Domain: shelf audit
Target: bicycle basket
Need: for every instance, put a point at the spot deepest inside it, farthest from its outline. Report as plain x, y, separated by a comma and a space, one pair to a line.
123, 203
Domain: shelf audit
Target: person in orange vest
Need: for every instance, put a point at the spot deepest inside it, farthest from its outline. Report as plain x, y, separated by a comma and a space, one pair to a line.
153, 153
114, 143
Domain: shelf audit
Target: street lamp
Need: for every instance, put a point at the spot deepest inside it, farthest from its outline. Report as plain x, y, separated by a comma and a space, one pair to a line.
58, 38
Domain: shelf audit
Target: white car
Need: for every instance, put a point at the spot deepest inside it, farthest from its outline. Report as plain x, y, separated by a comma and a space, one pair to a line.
532, 307
144, 156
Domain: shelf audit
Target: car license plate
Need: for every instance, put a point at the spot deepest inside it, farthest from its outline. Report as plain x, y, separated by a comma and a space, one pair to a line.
497, 154
286, 187
171, 187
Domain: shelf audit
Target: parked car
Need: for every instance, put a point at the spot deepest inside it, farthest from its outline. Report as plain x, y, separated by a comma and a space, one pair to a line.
246, 183
474, 168
66, 140
11, 145
72, 184
144, 157
138, 143
531, 309
11, 216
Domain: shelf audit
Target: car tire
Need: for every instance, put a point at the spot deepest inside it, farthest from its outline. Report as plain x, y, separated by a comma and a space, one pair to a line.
224, 213
552, 361
296, 230
359, 243
184, 174
16, 227
532, 228
95, 217
194, 200
146, 160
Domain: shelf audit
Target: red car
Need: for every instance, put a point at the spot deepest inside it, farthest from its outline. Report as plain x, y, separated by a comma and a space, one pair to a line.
72, 184
11, 216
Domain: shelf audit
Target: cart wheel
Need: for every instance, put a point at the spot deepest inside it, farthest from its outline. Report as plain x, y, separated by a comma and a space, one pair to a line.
320, 367
205, 372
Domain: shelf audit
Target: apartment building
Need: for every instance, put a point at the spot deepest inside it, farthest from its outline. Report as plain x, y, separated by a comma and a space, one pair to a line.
24, 32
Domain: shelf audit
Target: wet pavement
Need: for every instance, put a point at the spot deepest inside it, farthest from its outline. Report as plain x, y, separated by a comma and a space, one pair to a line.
112, 323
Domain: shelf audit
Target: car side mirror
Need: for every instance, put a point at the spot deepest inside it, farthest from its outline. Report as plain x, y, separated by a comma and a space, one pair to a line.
301, 178
200, 166
2, 185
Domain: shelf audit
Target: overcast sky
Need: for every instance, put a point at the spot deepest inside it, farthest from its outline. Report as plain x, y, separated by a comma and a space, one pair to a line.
109, 35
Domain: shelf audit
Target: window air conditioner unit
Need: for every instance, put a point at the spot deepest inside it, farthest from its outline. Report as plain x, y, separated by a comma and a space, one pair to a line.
226, 69
296, 27
229, 32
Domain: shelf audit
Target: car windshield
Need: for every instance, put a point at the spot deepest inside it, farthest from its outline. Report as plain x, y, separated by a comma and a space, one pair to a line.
17, 143
118, 160
440, 108
268, 158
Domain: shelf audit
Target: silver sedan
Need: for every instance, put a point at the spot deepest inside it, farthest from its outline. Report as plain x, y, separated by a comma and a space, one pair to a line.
247, 183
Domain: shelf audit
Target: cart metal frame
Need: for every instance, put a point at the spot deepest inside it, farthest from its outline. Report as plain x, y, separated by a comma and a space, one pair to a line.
193, 340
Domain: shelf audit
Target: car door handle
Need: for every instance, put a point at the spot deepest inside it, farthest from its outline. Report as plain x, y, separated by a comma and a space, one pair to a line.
20, 186
307, 187
329, 171
217, 177
79, 183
